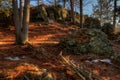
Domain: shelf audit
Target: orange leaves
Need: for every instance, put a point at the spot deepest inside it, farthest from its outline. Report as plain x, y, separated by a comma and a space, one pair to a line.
96, 71
69, 72
22, 69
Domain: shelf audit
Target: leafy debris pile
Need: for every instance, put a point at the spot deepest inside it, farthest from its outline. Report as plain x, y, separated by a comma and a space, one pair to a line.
26, 71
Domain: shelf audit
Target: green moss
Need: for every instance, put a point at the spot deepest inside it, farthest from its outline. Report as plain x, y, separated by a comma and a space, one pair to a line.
96, 43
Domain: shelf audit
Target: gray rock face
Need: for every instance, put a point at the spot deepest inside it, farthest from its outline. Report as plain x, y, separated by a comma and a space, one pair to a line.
86, 41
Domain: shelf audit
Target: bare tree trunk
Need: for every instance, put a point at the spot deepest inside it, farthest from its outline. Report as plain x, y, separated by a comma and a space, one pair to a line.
21, 13
72, 11
81, 14
21, 20
64, 3
38, 2
101, 13
26, 15
114, 17
16, 22
55, 2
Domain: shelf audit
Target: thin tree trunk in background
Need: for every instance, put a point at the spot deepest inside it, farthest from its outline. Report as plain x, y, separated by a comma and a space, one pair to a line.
101, 18
55, 2
64, 3
81, 14
16, 22
114, 17
26, 15
38, 2
72, 11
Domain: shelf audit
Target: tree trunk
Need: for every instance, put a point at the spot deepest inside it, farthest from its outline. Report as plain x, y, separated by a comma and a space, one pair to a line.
72, 11
55, 2
38, 2
21, 13
21, 20
16, 22
26, 15
64, 3
114, 17
101, 13
81, 14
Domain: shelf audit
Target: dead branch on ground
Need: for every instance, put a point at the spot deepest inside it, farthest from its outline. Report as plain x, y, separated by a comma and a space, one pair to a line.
81, 71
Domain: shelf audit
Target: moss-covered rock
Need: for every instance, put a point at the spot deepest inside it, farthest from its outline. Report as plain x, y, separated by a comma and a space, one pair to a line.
39, 13
99, 42
108, 28
57, 13
91, 22
43, 12
86, 41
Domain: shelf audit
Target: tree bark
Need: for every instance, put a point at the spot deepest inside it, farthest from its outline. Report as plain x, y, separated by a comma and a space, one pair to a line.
101, 12
21, 13
16, 22
55, 2
72, 11
26, 15
81, 14
38, 2
64, 3
21, 20
114, 17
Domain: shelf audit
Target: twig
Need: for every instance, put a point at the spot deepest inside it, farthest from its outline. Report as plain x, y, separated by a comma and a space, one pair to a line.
26, 77
69, 63
83, 73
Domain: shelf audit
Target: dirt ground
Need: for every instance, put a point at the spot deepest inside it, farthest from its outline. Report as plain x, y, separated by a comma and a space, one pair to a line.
46, 37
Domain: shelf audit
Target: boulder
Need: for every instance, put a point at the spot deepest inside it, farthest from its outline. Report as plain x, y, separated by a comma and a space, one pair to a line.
43, 12
86, 41
57, 13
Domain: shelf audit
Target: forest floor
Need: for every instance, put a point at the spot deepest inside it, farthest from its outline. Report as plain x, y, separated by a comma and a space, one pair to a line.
46, 37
